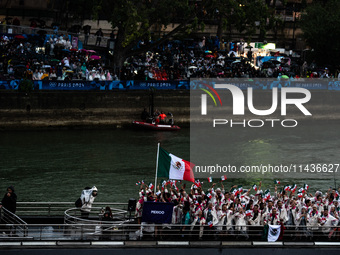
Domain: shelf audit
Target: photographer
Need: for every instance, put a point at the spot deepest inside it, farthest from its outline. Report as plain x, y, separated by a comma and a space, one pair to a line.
87, 198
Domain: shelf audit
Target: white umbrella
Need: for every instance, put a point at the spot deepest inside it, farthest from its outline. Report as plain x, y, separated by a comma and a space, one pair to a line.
192, 67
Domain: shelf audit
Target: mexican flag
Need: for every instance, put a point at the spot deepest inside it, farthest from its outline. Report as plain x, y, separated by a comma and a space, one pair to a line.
293, 188
174, 167
267, 194
301, 190
287, 188
249, 213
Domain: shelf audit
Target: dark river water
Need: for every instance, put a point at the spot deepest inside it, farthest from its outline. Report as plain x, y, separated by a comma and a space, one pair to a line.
56, 165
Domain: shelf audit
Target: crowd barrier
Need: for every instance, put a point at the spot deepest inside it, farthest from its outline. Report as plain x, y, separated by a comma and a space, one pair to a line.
258, 84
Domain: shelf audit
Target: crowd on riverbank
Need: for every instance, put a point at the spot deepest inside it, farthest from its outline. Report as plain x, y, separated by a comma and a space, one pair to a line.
57, 57
242, 212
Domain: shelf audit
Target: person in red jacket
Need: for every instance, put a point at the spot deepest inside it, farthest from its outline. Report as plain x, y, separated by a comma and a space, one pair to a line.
162, 117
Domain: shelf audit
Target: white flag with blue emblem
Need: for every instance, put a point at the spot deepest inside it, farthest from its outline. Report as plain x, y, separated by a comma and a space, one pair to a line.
273, 232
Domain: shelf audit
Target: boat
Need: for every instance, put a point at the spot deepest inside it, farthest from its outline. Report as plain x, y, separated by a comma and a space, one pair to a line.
154, 126
149, 122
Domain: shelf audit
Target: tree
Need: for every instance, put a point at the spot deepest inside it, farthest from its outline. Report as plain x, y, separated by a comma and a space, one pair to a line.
320, 25
134, 19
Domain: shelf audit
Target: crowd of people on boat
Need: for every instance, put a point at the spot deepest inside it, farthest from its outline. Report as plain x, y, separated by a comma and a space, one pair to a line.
57, 57
246, 213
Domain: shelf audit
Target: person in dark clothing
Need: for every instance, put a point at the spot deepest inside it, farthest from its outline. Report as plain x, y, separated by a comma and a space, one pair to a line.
145, 115
107, 229
9, 200
99, 35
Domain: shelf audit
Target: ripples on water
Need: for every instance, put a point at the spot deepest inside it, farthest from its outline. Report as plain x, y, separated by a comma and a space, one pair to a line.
57, 165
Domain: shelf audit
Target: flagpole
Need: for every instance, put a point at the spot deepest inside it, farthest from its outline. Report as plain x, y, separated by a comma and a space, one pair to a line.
154, 188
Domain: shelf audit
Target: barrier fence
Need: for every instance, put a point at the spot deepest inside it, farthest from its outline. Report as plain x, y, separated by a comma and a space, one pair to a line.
123, 227
111, 231
257, 84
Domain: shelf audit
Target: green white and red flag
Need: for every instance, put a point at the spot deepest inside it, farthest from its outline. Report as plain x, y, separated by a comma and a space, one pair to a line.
173, 167
249, 213
287, 188
293, 188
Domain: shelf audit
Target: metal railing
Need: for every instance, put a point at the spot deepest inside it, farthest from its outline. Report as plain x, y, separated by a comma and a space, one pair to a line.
29, 30
14, 225
114, 231
83, 223
55, 208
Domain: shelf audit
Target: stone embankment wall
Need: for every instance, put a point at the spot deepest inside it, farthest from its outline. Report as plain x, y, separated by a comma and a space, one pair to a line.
116, 109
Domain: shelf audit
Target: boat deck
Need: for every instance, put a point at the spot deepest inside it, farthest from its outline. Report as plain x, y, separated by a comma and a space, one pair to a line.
57, 230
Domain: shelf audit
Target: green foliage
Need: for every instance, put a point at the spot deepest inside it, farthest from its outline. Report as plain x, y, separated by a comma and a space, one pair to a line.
133, 19
320, 25
26, 85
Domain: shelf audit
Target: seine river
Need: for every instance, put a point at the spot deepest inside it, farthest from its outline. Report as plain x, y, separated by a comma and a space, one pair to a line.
56, 165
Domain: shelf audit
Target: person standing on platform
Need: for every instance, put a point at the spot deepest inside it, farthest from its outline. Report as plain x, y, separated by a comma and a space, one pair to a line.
9, 200
87, 197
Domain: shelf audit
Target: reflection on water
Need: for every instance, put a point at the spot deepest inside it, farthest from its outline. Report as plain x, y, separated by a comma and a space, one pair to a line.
57, 165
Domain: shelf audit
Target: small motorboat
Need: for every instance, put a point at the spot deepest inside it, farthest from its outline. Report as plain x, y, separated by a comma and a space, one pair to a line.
156, 127
148, 120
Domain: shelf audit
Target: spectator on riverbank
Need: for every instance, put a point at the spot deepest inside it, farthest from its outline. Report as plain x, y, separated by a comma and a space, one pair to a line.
99, 34
173, 60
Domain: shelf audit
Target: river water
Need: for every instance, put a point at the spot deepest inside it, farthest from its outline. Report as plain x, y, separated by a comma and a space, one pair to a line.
56, 165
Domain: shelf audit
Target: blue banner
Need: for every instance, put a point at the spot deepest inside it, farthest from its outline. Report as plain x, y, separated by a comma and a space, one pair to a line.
334, 85
9, 84
258, 84
159, 213
111, 85
269, 83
